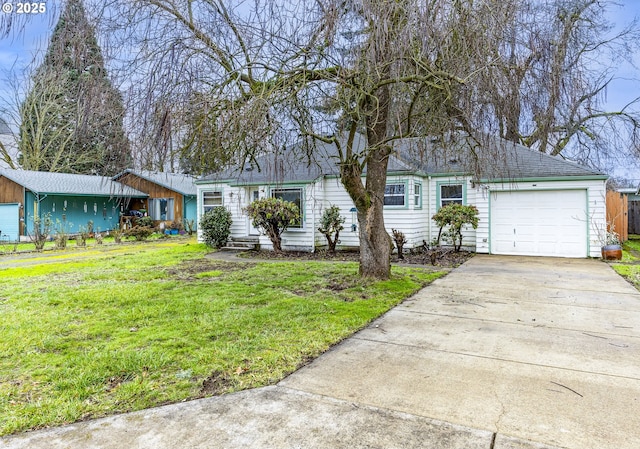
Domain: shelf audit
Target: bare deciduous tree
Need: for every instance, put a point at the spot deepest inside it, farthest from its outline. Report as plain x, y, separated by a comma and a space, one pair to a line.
331, 69
553, 62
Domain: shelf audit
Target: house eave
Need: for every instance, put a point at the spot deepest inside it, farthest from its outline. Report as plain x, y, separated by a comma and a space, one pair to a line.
545, 178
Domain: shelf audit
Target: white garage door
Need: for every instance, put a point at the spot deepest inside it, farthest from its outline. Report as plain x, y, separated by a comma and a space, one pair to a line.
539, 223
9, 222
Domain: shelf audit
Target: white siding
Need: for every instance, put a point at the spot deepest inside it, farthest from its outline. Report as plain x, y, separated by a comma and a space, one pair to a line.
415, 223
408, 219
469, 199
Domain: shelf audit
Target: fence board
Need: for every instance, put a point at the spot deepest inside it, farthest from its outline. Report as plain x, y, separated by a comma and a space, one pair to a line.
618, 214
634, 217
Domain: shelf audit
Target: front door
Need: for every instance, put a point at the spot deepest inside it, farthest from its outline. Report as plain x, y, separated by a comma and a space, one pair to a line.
254, 194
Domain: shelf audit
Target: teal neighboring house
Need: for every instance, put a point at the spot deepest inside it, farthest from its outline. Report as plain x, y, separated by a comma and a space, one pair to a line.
72, 199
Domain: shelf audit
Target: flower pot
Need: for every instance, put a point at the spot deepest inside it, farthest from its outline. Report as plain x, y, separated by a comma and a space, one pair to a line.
611, 252
175, 232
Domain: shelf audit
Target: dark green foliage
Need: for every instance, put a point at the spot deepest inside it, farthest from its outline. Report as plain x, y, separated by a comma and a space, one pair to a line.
273, 216
455, 216
72, 116
146, 222
216, 226
139, 233
330, 225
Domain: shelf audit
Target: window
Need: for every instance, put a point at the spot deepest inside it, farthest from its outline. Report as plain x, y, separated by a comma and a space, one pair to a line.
417, 195
293, 195
161, 209
450, 193
211, 200
394, 195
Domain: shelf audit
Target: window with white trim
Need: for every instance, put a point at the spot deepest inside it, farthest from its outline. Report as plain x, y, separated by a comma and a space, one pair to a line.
394, 194
211, 200
417, 195
293, 195
450, 193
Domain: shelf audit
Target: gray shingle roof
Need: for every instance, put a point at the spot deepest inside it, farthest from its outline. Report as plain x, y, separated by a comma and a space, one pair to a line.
70, 184
492, 159
294, 165
181, 183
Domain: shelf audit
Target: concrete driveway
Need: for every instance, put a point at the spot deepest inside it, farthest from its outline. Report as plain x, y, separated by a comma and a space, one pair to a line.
540, 349
503, 353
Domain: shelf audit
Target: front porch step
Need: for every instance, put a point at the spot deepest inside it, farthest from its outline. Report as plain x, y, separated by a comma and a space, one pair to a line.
241, 243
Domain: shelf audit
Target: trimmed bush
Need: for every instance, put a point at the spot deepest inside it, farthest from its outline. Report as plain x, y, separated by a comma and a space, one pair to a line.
216, 226
455, 216
330, 225
273, 216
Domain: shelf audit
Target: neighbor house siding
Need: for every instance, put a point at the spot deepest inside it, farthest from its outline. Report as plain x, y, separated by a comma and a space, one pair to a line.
104, 212
155, 191
11, 192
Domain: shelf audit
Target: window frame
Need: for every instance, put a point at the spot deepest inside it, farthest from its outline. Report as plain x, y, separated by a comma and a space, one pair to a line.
417, 197
208, 207
273, 191
403, 195
463, 195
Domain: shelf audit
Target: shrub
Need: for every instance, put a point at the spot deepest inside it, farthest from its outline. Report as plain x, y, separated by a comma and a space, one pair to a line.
140, 233
216, 226
330, 225
145, 222
190, 226
455, 216
41, 229
62, 234
176, 224
117, 234
84, 233
399, 239
273, 216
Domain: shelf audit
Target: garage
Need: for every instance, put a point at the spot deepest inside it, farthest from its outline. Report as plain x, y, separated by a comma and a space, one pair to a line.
9, 222
539, 223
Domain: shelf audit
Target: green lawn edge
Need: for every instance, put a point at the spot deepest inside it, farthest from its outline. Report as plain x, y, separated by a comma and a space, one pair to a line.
120, 329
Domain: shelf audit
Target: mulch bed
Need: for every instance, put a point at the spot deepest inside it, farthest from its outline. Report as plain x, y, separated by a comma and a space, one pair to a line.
439, 257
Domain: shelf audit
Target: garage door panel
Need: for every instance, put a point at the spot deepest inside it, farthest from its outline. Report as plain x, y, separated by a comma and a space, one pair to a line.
9, 222
544, 223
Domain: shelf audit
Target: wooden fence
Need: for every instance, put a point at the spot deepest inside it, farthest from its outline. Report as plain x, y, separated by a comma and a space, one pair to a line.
618, 214
634, 217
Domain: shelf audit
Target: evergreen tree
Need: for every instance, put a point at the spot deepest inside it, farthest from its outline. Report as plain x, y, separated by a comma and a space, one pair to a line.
72, 116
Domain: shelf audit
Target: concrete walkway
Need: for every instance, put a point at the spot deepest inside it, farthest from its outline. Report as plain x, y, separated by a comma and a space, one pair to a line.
503, 353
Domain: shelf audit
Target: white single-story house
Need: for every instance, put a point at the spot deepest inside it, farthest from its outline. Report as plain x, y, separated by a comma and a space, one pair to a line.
529, 203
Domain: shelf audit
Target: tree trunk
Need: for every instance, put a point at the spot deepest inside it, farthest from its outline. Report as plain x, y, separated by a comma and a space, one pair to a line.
375, 245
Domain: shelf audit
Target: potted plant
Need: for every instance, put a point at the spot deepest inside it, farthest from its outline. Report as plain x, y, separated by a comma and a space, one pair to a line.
176, 226
611, 248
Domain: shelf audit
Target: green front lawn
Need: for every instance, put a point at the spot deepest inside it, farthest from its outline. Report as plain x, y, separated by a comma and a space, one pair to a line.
121, 328
629, 266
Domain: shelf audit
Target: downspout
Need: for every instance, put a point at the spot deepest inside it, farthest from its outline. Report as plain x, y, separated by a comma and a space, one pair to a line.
313, 219
429, 207
38, 212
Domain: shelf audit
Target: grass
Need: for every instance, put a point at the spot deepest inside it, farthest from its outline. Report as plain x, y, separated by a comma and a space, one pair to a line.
121, 328
7, 248
629, 266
